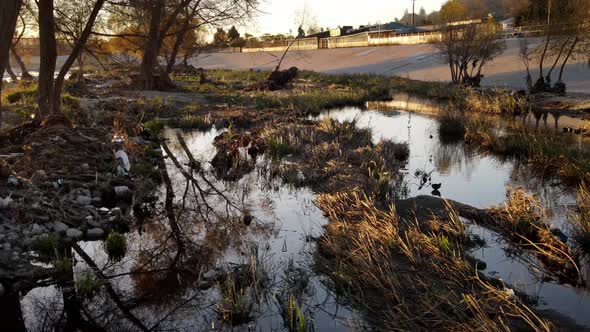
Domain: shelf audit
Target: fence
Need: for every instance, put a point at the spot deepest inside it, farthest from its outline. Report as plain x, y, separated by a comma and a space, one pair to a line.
382, 38
356, 40
281, 45
376, 38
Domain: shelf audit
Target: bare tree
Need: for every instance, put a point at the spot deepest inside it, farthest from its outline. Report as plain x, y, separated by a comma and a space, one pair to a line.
49, 88
9, 10
71, 16
468, 49
163, 15
21, 29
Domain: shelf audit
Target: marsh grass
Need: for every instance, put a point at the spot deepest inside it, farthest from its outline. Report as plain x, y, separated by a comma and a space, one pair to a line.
522, 220
392, 271
347, 132
580, 220
242, 289
451, 126
495, 101
546, 154
393, 152
87, 284
115, 245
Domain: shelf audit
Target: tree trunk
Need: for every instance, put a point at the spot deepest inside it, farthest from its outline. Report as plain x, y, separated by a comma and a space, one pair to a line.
561, 49
569, 54
9, 10
152, 46
48, 55
25, 75
176, 48
80, 75
76, 51
12, 75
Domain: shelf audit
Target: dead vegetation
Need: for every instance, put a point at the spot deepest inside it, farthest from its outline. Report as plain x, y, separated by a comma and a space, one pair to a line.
406, 277
522, 221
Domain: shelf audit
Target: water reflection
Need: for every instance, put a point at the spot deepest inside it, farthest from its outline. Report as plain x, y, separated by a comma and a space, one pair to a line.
184, 263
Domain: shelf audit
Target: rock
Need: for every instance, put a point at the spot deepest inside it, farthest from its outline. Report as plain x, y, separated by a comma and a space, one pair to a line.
74, 233
41, 174
103, 210
13, 180
116, 213
37, 230
85, 167
7, 246
5, 202
60, 227
123, 192
83, 200
95, 233
211, 275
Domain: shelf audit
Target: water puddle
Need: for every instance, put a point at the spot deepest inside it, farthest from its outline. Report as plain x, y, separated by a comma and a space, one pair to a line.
241, 253
277, 241
481, 181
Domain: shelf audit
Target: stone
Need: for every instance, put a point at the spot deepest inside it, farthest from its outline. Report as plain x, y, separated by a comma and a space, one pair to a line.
83, 200
123, 192
74, 233
85, 166
37, 230
95, 233
116, 214
60, 227
210, 275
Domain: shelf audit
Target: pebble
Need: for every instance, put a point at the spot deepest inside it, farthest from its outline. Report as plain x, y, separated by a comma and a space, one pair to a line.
210, 275
60, 227
74, 233
95, 233
83, 200
37, 230
123, 192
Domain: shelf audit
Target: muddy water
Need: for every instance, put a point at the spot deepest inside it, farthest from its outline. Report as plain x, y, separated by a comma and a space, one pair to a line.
481, 181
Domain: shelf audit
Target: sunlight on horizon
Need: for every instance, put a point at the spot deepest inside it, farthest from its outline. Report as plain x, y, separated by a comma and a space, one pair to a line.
279, 16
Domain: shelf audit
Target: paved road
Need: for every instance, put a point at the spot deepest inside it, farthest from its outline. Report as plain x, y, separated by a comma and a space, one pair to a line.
415, 61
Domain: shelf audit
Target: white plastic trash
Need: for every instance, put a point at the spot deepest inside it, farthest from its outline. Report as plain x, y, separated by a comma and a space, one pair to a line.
124, 165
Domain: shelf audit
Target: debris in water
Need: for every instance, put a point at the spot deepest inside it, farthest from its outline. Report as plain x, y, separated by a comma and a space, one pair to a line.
285, 245
5, 202
436, 186
248, 220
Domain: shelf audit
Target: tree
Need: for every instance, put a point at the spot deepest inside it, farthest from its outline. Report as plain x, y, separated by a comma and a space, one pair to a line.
452, 11
300, 32
70, 21
468, 49
50, 88
422, 12
232, 33
9, 10
564, 38
220, 38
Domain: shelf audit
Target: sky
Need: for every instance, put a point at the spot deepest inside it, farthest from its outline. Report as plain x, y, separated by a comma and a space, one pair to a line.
278, 16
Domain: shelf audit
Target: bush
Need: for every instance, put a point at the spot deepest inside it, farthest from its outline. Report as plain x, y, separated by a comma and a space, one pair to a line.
116, 245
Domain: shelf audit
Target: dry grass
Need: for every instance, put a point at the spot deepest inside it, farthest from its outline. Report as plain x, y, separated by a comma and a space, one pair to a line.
496, 101
406, 279
522, 221
580, 220
546, 154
